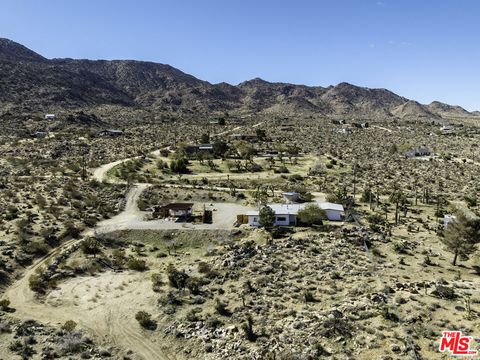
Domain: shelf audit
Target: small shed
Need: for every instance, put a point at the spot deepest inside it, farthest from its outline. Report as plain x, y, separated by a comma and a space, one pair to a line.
291, 196
179, 210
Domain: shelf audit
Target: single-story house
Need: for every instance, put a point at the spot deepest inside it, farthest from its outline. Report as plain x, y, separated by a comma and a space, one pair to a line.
179, 210
421, 151
195, 149
334, 211
110, 132
447, 130
49, 116
286, 214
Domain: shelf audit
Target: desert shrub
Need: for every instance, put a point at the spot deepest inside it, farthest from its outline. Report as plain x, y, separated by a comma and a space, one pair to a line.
157, 281
49, 235
193, 314
145, 320
171, 298
90, 246
335, 326
4, 304
22, 348
72, 343
194, 284
177, 279
213, 323
38, 248
471, 200
312, 215
69, 326
281, 170
204, 267
444, 292
308, 296
5, 328
71, 231
137, 264
36, 284
4, 278
376, 221
387, 314
221, 308
400, 247
318, 168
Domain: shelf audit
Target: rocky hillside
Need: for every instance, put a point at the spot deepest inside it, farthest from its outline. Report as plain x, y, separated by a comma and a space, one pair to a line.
30, 81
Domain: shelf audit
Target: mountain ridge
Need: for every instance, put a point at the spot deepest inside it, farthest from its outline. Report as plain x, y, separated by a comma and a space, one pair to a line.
31, 80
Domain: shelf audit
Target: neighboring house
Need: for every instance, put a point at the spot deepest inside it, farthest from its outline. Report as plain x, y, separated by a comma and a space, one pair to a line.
195, 149
286, 214
421, 151
339, 122
342, 130
291, 196
111, 132
49, 116
40, 134
334, 212
178, 210
205, 147
447, 130
360, 125
447, 219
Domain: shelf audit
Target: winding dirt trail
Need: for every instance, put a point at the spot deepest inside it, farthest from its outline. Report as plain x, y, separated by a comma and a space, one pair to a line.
105, 304
108, 317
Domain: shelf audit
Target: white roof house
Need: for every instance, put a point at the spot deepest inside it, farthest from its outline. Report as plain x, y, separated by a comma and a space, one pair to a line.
49, 116
286, 214
291, 196
334, 211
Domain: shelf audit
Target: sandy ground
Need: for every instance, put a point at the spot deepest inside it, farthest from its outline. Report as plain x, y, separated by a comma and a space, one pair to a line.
105, 305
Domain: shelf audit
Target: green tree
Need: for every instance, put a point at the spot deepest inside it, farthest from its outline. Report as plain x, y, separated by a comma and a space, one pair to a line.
91, 246
461, 237
312, 214
267, 217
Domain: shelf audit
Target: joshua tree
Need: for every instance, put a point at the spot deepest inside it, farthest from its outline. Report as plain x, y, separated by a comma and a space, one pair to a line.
462, 236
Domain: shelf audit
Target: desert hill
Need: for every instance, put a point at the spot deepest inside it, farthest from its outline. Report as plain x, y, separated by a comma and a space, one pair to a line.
35, 83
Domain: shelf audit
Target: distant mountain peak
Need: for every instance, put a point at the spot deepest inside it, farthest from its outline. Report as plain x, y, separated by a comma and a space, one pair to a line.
13, 51
30, 80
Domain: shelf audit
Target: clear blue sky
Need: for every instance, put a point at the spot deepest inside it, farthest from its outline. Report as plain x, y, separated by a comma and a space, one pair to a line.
422, 49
